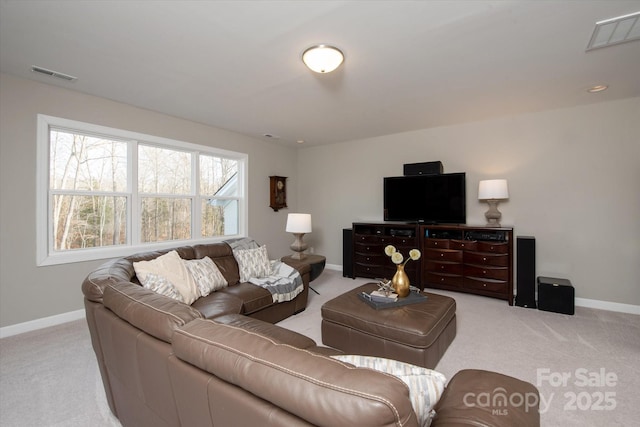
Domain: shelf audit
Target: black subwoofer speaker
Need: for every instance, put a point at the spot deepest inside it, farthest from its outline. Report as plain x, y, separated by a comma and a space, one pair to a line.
557, 295
426, 168
526, 272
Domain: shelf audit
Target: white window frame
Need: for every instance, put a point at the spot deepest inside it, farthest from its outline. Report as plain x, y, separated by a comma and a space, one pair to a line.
44, 246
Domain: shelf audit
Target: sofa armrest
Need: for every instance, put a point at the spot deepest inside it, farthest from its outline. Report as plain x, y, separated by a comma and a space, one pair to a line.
487, 399
148, 311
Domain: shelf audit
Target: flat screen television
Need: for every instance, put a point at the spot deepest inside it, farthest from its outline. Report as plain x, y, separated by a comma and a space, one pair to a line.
431, 199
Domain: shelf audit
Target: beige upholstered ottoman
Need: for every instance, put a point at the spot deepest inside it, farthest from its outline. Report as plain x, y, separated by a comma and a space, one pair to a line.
419, 333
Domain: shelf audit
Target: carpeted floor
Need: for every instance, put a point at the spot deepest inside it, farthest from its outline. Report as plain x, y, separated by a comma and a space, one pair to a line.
50, 377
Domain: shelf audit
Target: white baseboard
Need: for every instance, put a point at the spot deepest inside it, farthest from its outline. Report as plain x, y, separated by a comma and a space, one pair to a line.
607, 305
580, 302
44, 322
58, 319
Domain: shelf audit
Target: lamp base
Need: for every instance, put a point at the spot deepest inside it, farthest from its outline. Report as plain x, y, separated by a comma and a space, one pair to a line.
298, 255
493, 215
298, 247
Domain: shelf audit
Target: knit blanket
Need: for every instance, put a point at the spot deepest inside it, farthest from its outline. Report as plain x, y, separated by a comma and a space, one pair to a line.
284, 283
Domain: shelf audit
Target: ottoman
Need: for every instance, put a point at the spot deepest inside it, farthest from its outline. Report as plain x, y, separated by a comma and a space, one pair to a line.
418, 333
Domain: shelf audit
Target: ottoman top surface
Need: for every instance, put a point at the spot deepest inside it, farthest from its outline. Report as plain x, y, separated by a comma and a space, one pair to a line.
417, 325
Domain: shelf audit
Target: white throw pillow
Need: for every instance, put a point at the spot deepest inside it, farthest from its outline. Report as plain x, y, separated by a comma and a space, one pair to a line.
167, 271
253, 263
206, 275
425, 385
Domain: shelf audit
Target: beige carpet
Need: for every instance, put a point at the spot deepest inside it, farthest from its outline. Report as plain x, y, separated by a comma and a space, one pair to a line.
535, 346
50, 377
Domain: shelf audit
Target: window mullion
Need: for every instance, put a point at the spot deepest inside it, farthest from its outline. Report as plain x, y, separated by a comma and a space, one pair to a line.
196, 202
134, 196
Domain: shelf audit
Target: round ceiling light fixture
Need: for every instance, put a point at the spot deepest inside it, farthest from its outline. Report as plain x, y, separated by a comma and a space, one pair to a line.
597, 88
322, 58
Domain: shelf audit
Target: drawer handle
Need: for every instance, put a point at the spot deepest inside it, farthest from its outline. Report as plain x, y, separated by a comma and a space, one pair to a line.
484, 284
435, 244
442, 279
441, 254
484, 271
484, 259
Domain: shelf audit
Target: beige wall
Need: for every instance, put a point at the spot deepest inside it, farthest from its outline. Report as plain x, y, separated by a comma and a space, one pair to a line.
28, 292
574, 181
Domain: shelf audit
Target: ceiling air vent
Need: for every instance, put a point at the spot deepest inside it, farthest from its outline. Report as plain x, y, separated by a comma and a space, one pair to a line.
52, 73
615, 31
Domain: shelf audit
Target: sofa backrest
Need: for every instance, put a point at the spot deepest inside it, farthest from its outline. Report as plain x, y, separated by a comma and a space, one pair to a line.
222, 255
312, 387
121, 269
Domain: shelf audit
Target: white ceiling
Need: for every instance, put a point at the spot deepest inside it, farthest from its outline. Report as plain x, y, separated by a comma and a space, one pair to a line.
409, 64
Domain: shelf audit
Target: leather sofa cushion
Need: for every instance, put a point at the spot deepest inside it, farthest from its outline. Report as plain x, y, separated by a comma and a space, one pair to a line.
218, 304
153, 313
254, 297
319, 389
464, 401
276, 333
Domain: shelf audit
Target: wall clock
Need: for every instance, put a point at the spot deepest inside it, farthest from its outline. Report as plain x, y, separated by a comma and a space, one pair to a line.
278, 192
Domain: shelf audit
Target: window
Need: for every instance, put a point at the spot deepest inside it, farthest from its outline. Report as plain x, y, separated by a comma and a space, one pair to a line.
106, 192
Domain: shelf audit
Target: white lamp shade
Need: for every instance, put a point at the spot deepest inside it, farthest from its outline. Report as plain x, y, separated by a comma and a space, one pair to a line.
493, 189
322, 58
298, 223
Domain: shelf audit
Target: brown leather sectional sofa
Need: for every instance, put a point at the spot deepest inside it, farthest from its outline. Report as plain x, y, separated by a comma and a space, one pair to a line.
221, 361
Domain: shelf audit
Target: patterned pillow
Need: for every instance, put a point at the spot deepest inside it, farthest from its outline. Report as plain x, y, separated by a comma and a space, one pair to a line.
253, 263
162, 286
425, 385
206, 274
165, 272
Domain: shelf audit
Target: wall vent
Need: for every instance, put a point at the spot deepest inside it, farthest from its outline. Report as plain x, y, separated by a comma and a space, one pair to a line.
52, 73
615, 31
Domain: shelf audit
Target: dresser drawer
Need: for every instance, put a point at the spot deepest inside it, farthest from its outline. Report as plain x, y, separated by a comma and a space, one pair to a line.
437, 243
493, 247
369, 248
481, 258
373, 238
437, 279
375, 271
467, 245
485, 285
444, 267
369, 259
486, 272
398, 242
449, 255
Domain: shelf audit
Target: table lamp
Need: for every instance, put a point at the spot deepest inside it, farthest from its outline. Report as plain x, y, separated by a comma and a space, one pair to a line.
298, 224
492, 191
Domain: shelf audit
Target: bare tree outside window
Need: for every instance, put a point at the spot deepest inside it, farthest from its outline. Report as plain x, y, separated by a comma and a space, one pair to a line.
87, 177
163, 174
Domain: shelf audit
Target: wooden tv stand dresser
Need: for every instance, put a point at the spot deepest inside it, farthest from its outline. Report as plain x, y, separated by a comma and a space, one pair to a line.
462, 258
